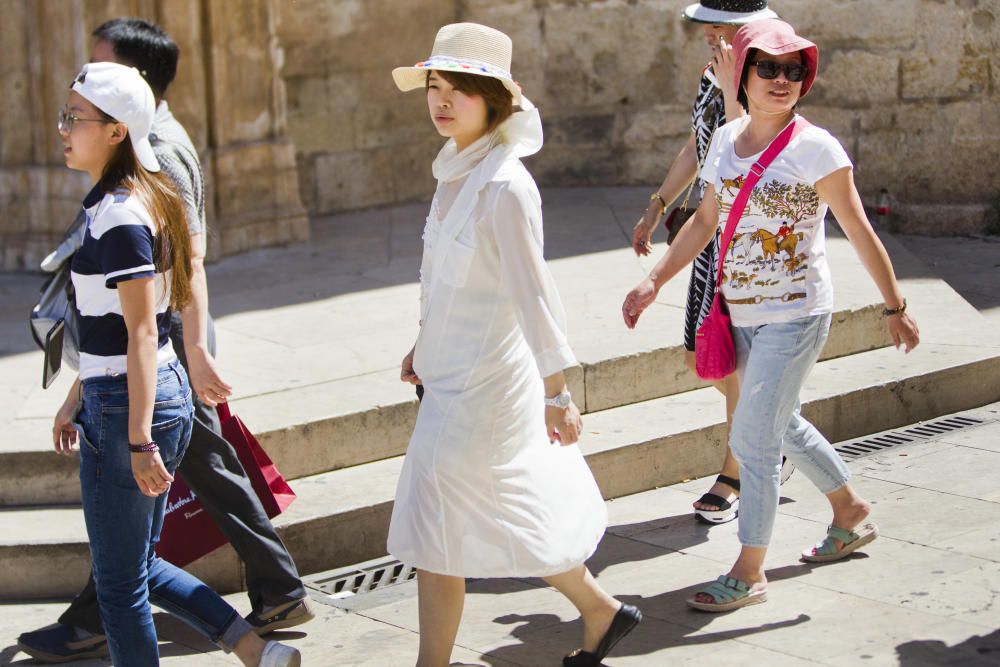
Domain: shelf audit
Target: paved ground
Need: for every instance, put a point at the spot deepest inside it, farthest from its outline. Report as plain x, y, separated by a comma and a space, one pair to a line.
278, 309
925, 596
971, 265
925, 593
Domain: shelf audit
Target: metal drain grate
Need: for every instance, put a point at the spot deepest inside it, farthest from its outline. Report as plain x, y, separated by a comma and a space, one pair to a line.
363, 578
874, 444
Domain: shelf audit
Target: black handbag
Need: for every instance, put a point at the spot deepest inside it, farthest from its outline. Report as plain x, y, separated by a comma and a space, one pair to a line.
57, 301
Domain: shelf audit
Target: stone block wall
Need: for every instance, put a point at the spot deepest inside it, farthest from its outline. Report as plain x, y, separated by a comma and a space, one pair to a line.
228, 94
291, 102
909, 86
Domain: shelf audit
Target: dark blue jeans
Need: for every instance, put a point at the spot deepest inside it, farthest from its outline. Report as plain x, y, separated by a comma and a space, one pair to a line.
124, 525
213, 471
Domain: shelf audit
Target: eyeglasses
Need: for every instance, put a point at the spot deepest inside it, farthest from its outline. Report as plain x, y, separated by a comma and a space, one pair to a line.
67, 119
768, 69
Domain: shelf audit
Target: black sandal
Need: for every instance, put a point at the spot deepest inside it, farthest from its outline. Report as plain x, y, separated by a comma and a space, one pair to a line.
727, 510
623, 623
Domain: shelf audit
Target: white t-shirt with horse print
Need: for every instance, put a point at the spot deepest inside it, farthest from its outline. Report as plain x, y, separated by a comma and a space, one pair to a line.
776, 268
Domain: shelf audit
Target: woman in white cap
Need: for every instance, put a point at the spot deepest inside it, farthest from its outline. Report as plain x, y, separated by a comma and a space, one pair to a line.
715, 103
493, 484
130, 409
771, 177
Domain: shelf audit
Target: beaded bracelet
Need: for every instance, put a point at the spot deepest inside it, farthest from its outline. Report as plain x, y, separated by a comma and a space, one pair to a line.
144, 448
895, 311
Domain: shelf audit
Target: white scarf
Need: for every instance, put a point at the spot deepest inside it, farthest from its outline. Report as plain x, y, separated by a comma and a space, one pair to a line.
522, 132
518, 136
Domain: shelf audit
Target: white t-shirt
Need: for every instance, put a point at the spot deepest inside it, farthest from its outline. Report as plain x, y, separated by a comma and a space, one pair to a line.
775, 268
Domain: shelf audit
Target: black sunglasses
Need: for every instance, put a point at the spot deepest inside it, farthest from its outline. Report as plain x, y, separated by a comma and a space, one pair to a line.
768, 69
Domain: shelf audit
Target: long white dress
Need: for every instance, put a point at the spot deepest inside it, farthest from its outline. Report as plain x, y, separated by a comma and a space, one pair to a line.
483, 493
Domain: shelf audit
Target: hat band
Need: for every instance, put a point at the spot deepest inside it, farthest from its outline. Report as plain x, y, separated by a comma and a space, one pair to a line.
464, 65
700, 13
736, 6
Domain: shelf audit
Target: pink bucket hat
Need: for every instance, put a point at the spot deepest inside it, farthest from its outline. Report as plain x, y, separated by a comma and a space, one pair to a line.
777, 38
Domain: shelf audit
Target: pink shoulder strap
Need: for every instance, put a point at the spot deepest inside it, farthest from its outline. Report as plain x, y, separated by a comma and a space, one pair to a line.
777, 145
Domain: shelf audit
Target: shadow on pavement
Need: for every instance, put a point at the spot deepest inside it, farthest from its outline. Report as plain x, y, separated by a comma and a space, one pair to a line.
354, 252
976, 651
676, 625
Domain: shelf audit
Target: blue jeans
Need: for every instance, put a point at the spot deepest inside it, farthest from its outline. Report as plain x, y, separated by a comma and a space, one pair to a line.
773, 361
124, 525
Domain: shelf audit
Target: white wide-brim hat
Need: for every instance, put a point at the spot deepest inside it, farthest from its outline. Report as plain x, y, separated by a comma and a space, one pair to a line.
122, 93
731, 12
467, 48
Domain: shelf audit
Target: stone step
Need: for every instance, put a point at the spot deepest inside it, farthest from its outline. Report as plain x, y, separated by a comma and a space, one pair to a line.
368, 416
375, 412
341, 517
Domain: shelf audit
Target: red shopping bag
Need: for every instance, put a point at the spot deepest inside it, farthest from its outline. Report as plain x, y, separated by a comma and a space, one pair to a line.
271, 487
188, 531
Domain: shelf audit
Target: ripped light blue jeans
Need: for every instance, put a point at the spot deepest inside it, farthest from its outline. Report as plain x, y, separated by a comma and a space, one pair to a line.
773, 361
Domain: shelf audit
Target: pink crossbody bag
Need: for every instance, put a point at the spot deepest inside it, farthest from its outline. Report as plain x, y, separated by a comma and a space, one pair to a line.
715, 354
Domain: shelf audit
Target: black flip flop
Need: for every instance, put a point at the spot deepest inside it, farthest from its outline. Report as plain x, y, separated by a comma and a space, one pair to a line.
623, 623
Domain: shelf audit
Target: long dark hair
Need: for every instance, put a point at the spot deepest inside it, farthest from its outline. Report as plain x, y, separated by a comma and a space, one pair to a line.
172, 250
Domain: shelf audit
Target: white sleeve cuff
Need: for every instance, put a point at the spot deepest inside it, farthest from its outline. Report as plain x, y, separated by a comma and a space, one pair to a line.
554, 360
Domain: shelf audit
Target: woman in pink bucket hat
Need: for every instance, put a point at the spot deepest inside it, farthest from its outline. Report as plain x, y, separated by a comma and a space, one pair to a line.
775, 282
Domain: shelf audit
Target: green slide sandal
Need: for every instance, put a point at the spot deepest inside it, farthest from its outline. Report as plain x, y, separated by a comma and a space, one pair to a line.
826, 551
728, 594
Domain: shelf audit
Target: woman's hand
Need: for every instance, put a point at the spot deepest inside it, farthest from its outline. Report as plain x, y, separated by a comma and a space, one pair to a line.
904, 331
150, 474
64, 435
406, 373
724, 67
563, 424
637, 301
643, 231
205, 378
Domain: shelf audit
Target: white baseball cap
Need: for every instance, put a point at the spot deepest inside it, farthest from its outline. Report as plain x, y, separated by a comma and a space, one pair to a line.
122, 93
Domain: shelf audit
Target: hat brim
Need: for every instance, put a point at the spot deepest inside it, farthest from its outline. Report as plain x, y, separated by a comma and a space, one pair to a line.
700, 14
144, 152
412, 78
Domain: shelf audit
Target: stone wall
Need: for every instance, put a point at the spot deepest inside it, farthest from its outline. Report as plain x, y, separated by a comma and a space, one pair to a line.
228, 94
909, 86
291, 102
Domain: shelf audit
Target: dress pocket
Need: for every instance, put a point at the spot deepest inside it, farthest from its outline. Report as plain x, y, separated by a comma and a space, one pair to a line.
456, 259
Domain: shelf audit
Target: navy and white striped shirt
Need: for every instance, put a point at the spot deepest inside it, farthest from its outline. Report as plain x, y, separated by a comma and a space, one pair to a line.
118, 246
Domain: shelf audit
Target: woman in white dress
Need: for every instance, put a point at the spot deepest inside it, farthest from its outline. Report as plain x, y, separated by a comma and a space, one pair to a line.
493, 484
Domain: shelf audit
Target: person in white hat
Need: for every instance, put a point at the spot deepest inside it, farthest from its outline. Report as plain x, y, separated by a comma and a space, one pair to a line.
493, 484
130, 409
211, 468
715, 103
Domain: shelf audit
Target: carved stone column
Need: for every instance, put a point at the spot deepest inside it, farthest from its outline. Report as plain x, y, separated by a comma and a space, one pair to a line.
256, 187
228, 94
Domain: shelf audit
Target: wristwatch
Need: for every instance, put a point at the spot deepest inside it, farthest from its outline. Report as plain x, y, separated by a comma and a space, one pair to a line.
561, 400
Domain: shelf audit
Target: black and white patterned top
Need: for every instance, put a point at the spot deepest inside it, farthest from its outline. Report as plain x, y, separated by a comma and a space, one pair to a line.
708, 113
119, 245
